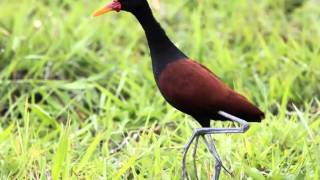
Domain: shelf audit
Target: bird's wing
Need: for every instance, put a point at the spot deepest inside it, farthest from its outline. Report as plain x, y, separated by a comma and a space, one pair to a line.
238, 105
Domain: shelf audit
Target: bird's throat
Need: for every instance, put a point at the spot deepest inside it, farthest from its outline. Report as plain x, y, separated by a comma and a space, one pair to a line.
162, 50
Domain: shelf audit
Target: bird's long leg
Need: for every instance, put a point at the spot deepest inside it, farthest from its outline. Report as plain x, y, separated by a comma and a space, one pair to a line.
212, 146
186, 149
215, 154
194, 155
204, 131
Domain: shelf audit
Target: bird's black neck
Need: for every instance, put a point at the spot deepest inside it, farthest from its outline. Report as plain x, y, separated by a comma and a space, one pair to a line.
162, 50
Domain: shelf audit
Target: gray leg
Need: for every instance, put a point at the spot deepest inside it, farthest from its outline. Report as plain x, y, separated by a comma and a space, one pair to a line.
194, 155
185, 151
244, 124
204, 131
211, 147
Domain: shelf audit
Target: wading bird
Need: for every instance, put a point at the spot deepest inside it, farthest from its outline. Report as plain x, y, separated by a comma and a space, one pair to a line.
189, 86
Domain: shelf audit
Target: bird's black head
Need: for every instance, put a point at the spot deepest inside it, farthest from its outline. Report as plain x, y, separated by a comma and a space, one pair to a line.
133, 5
123, 5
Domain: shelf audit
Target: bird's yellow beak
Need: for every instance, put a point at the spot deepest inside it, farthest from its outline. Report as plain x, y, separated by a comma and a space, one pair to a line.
113, 6
102, 11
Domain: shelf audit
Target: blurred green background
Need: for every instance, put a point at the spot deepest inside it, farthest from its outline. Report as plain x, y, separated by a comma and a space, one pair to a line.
78, 98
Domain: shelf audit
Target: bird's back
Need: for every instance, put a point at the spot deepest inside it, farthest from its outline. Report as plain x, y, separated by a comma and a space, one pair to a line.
193, 89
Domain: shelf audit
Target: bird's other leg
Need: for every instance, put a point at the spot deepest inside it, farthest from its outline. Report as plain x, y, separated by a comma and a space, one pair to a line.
186, 149
244, 124
217, 157
194, 155
211, 147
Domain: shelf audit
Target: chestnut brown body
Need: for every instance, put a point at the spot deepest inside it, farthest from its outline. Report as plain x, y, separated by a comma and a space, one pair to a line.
195, 90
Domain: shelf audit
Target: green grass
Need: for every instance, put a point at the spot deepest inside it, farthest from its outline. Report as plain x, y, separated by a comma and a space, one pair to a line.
78, 99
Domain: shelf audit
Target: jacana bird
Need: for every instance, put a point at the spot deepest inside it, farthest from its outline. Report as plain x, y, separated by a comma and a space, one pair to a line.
189, 86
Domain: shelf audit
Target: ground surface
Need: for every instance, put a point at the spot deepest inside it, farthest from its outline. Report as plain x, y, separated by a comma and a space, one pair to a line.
78, 97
